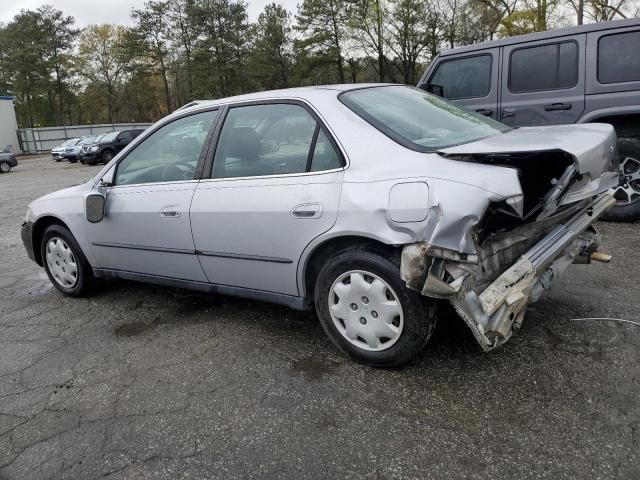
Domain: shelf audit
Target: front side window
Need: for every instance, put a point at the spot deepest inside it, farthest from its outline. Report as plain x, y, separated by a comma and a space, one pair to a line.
272, 139
468, 77
545, 67
618, 59
169, 154
417, 119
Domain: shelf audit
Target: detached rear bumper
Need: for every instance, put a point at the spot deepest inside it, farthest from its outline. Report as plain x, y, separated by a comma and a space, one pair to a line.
494, 310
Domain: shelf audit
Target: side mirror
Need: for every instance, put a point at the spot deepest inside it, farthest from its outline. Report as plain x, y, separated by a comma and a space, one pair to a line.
94, 205
436, 89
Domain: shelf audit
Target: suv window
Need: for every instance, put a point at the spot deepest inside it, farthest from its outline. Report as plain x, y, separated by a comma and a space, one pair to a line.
467, 77
618, 59
169, 154
272, 139
544, 67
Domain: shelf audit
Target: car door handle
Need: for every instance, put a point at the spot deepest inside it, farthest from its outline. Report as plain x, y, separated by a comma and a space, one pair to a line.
170, 211
307, 210
507, 112
485, 111
557, 106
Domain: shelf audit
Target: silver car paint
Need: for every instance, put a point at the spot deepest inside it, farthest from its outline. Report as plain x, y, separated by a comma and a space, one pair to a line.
228, 218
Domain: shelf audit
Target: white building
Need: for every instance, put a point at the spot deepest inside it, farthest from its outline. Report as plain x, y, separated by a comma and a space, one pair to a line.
8, 125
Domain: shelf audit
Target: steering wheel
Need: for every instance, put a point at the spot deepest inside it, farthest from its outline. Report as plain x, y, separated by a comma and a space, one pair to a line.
173, 173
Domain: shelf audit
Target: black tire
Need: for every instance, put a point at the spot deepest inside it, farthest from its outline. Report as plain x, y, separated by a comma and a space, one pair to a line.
73, 160
82, 161
58, 159
106, 156
418, 312
85, 281
5, 166
627, 209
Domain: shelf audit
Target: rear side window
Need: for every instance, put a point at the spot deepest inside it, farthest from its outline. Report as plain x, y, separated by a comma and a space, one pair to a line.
618, 59
468, 77
545, 67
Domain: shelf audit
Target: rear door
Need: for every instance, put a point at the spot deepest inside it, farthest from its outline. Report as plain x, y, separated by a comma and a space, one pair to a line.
543, 82
276, 183
469, 80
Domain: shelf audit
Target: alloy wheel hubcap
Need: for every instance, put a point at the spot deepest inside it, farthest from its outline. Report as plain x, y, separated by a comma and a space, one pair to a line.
4, 167
365, 310
629, 191
61, 262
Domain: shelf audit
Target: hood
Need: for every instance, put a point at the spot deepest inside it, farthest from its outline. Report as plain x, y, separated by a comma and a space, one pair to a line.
68, 192
588, 144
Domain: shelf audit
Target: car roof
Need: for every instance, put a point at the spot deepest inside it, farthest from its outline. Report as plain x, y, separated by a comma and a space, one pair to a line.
303, 93
549, 34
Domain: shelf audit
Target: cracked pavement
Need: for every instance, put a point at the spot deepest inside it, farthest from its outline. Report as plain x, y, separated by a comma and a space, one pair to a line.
147, 382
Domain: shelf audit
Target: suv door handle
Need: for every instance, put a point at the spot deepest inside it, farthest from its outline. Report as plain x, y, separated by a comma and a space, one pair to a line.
507, 112
484, 111
307, 210
557, 106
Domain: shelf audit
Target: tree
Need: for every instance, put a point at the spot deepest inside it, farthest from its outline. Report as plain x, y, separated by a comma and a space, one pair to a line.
272, 51
59, 38
367, 23
222, 45
409, 35
104, 59
151, 37
323, 26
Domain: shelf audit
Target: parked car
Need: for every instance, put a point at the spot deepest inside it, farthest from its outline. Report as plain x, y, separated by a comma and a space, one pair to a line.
392, 199
584, 74
106, 148
72, 152
7, 162
58, 153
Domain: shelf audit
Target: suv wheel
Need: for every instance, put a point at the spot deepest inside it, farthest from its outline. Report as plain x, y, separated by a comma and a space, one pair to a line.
107, 155
64, 262
627, 195
368, 312
4, 166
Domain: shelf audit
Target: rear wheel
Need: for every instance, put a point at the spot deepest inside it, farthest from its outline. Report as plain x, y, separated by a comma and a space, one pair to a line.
64, 262
627, 194
5, 166
73, 160
368, 312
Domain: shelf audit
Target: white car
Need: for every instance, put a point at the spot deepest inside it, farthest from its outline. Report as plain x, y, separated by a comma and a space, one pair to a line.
378, 202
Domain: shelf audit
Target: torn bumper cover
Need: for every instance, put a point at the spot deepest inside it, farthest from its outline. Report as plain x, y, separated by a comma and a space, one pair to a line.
491, 296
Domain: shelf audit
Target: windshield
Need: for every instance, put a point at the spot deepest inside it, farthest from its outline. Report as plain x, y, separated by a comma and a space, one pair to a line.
99, 138
86, 141
109, 137
417, 119
70, 142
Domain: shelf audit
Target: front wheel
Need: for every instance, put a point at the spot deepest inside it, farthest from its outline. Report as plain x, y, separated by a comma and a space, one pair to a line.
107, 155
627, 194
64, 262
4, 166
368, 312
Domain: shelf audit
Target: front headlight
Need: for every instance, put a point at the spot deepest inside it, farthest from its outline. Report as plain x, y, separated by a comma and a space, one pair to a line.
28, 214
94, 148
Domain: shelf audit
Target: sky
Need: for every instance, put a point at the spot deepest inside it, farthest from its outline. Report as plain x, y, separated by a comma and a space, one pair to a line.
87, 12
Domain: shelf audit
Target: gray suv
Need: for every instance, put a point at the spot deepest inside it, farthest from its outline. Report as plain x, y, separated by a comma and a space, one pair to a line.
584, 74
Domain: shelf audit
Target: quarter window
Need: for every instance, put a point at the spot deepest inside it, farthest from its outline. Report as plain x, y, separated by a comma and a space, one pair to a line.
618, 59
169, 154
465, 77
545, 67
272, 139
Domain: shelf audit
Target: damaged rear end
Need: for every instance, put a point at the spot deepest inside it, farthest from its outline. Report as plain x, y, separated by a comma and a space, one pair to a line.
521, 244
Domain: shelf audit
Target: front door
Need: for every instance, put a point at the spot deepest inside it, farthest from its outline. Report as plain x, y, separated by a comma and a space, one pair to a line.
543, 82
146, 229
275, 186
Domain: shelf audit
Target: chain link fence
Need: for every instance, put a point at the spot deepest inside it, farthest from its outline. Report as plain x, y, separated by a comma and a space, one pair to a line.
38, 140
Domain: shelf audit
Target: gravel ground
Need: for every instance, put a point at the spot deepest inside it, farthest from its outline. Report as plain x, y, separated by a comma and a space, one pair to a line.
148, 382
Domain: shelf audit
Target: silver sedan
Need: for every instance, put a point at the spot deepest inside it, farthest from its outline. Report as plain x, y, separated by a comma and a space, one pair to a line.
371, 203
